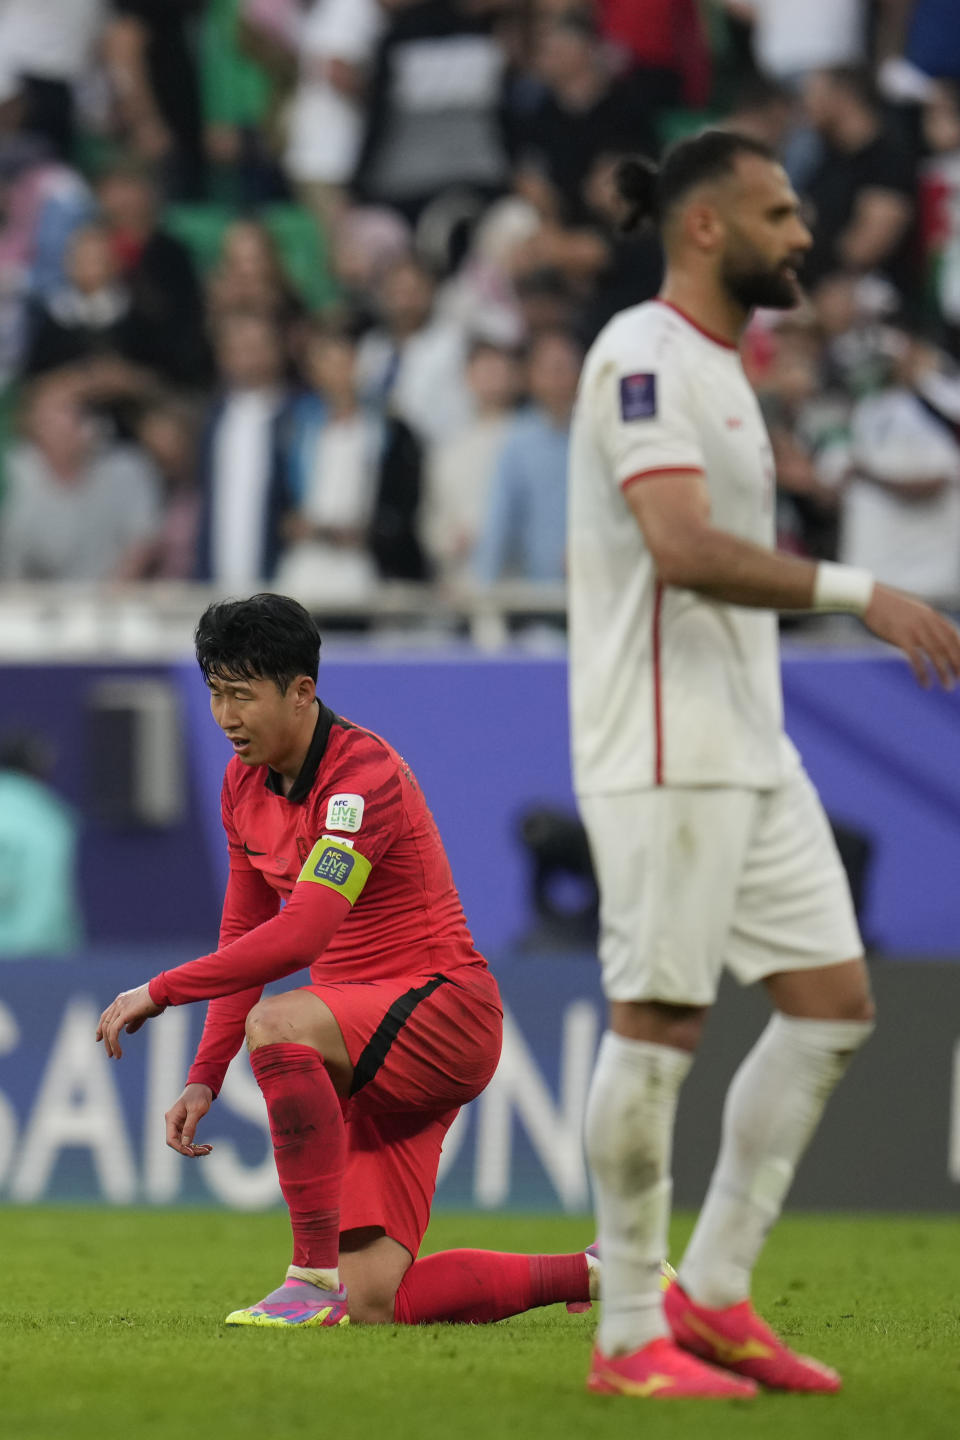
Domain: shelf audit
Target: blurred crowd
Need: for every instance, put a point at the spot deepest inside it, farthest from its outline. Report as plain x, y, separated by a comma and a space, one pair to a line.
297, 291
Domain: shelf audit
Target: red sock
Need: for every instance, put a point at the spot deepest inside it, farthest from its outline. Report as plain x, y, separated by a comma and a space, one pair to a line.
309, 1144
473, 1287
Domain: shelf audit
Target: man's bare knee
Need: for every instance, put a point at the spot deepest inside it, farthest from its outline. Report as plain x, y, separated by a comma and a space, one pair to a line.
836, 992
654, 1021
274, 1021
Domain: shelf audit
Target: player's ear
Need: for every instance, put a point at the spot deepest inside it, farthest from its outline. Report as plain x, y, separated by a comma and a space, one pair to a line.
702, 225
305, 691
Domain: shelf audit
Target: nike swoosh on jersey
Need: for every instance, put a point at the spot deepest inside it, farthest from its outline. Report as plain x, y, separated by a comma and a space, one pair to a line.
252, 852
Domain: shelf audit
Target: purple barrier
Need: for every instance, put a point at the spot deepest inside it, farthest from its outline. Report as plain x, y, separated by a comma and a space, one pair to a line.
488, 739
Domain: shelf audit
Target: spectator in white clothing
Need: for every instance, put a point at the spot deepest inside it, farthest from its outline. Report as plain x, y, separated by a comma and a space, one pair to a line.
461, 468
77, 505
791, 39
415, 361
240, 505
900, 514
326, 119
351, 475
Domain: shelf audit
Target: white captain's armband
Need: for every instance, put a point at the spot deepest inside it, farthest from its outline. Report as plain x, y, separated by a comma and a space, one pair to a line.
338, 865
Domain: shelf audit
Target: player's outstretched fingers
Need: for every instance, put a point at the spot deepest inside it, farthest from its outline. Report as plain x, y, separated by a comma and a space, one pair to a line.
947, 642
918, 664
108, 1030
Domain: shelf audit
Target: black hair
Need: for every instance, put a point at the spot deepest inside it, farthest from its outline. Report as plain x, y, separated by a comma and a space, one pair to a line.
858, 81
757, 91
268, 637
649, 191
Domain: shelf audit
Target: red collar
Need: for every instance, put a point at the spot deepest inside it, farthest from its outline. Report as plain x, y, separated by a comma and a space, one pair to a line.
717, 339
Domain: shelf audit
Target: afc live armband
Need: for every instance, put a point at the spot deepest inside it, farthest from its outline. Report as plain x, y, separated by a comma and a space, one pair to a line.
335, 863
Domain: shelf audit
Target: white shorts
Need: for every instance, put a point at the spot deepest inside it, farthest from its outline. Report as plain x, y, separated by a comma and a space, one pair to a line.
692, 880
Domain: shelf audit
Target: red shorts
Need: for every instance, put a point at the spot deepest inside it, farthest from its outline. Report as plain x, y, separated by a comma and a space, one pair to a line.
420, 1047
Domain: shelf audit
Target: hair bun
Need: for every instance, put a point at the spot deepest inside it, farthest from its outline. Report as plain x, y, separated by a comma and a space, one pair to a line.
636, 179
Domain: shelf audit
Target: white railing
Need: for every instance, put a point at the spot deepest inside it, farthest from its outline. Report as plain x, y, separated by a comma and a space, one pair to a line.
54, 621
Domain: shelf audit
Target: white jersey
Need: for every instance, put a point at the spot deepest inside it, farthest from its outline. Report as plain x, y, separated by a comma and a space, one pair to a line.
667, 687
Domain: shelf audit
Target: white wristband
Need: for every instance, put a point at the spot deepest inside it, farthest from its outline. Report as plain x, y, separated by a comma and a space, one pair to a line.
842, 587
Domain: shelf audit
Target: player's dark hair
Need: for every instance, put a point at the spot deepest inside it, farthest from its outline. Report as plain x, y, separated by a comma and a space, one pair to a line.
268, 637
649, 192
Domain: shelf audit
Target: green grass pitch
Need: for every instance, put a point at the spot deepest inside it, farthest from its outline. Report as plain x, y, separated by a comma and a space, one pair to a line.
110, 1326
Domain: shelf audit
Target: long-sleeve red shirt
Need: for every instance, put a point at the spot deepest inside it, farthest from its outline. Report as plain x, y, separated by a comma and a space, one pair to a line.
355, 853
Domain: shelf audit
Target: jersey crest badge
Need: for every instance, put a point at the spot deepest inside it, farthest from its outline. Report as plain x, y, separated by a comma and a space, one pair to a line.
638, 397
344, 812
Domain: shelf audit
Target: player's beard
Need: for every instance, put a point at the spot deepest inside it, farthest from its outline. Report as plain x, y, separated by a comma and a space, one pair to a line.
753, 282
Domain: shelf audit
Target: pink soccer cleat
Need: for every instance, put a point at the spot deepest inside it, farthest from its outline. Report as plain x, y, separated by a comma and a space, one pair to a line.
297, 1302
662, 1371
739, 1340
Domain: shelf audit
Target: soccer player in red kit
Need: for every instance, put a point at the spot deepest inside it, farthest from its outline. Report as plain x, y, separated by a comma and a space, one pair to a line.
336, 864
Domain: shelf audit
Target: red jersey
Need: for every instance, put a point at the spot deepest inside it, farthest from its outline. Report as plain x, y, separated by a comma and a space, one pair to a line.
355, 853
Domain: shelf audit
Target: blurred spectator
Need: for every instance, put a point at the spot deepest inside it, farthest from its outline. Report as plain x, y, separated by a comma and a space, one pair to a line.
158, 271
852, 314
583, 112
42, 202
250, 276
803, 423
354, 475
241, 496
461, 467
790, 39
862, 190
524, 532
49, 45
167, 432
665, 42
92, 319
338, 40
435, 115
901, 502
940, 202
156, 92
632, 266
366, 241
76, 505
415, 360
764, 109
239, 90
40, 911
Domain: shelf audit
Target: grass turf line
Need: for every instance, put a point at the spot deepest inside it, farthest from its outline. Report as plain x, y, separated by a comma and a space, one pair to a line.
110, 1324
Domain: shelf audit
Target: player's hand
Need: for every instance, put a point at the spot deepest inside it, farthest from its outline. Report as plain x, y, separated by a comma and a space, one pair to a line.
182, 1119
128, 1012
929, 641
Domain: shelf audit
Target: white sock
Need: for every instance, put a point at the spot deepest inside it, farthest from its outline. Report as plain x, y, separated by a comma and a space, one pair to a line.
772, 1109
323, 1279
629, 1121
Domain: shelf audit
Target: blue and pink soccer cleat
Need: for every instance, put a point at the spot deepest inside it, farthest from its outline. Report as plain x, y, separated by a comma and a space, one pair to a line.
297, 1302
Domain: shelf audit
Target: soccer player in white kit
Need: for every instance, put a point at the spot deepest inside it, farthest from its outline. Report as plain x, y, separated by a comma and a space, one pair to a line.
710, 844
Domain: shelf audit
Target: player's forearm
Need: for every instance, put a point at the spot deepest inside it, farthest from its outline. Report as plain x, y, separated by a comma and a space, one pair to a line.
222, 1037
282, 946
737, 572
